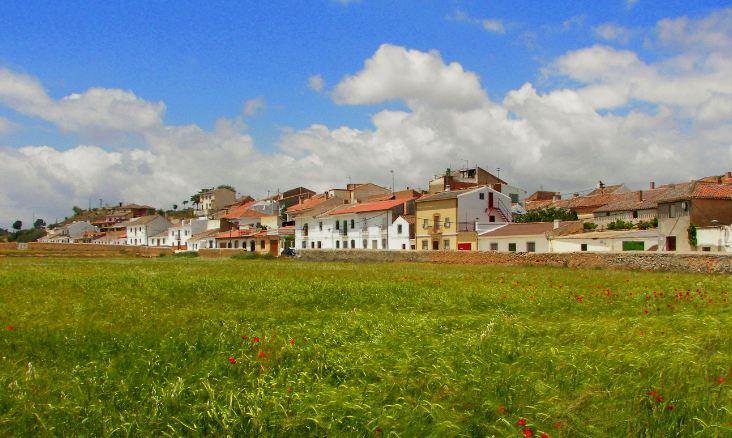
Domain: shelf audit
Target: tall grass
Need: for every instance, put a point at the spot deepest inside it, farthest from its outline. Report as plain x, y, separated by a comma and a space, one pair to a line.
142, 347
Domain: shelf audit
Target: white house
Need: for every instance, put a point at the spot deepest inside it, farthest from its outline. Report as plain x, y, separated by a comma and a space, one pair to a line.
69, 233
178, 235
606, 241
203, 240
141, 228
368, 225
714, 239
524, 237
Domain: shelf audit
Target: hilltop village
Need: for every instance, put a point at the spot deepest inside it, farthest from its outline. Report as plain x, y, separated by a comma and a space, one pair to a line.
469, 209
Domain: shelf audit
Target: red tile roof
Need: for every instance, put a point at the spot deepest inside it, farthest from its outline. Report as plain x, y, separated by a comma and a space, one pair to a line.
308, 203
712, 191
235, 233
237, 211
365, 207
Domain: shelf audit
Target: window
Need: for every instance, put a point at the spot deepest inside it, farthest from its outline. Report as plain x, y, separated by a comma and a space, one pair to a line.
447, 222
353, 244
262, 244
337, 225
514, 197
338, 244
671, 243
426, 223
706, 248
583, 247
353, 224
399, 229
383, 244
312, 245
512, 247
320, 226
404, 246
345, 227
304, 244
491, 218
425, 245
481, 195
320, 245
365, 243
494, 246
446, 244
635, 214
530, 246
236, 244
345, 244
435, 245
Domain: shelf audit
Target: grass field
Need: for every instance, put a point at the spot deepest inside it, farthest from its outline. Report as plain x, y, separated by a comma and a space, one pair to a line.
141, 347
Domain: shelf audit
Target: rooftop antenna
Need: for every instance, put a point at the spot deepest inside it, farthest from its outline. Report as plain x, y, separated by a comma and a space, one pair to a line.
498, 172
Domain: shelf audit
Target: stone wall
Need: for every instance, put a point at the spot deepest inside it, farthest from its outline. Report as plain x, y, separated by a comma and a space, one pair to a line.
90, 250
711, 263
212, 253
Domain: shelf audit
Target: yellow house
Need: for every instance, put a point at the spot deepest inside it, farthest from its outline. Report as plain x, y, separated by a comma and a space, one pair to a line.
449, 220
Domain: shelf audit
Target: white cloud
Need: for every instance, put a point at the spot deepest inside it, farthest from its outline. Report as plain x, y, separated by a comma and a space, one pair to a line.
252, 106
6, 125
613, 32
490, 24
674, 123
418, 78
316, 83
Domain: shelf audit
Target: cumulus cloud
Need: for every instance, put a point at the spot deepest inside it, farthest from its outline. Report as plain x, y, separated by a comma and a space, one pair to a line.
623, 119
490, 24
613, 32
6, 125
316, 83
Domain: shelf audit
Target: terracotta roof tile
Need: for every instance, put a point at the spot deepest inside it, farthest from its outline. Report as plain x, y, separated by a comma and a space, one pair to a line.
307, 204
712, 191
365, 207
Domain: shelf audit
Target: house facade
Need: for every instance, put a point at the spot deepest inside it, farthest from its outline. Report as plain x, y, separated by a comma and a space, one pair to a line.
215, 199
451, 220
606, 241
139, 230
525, 237
178, 235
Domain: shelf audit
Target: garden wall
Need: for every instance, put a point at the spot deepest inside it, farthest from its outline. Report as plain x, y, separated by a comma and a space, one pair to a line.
635, 261
8, 245
87, 250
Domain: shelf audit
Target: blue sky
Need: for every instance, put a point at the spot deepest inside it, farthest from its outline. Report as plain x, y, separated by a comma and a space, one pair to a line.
205, 61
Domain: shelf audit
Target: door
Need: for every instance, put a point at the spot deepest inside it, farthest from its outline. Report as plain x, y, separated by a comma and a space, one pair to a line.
671, 243
252, 246
435, 245
274, 247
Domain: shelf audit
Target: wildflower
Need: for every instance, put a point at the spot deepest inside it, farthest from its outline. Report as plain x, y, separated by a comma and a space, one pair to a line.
544, 435
659, 398
232, 360
579, 298
377, 431
292, 342
669, 407
261, 354
557, 425
9, 327
721, 380
521, 422
502, 409
255, 339
528, 433
245, 337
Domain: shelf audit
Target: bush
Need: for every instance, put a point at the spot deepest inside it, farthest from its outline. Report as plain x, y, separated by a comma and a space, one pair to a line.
589, 226
619, 224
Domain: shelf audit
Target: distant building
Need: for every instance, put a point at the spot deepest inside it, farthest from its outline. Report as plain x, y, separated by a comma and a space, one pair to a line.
214, 200
525, 237
141, 230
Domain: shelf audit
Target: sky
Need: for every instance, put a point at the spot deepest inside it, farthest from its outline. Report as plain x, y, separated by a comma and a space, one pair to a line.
148, 102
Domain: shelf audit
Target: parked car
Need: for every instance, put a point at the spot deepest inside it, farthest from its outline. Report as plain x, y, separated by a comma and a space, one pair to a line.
290, 252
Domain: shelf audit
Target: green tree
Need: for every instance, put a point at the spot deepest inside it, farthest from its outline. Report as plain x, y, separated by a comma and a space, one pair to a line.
17, 225
39, 223
546, 215
78, 210
175, 206
226, 186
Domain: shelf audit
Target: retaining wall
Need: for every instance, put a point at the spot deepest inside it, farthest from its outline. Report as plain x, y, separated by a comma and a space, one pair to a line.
711, 263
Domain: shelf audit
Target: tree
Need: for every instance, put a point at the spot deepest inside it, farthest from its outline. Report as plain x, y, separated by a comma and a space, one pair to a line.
547, 215
185, 203
77, 210
226, 186
17, 225
39, 223
175, 206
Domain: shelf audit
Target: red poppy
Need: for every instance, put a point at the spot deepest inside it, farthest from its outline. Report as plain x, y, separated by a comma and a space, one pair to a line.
292, 342
377, 431
255, 339
719, 380
521, 422
261, 354
528, 433
557, 425
544, 435
9, 328
659, 399
245, 337
652, 393
670, 407
502, 409
232, 360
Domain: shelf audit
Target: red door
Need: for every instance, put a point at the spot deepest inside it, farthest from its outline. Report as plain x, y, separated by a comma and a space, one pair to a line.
465, 246
274, 247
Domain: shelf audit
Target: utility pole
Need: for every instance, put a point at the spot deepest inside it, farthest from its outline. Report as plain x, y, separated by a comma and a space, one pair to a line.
498, 172
392, 182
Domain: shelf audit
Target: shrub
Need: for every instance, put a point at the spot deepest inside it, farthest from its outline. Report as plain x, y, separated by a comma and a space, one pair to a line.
546, 215
692, 234
589, 226
619, 224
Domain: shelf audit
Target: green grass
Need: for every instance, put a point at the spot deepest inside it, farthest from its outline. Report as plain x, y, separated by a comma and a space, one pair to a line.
141, 347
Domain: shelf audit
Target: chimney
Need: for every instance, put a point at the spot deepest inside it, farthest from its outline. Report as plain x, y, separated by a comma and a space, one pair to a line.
575, 195
640, 195
719, 180
729, 174
600, 185
556, 223
653, 185
557, 196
